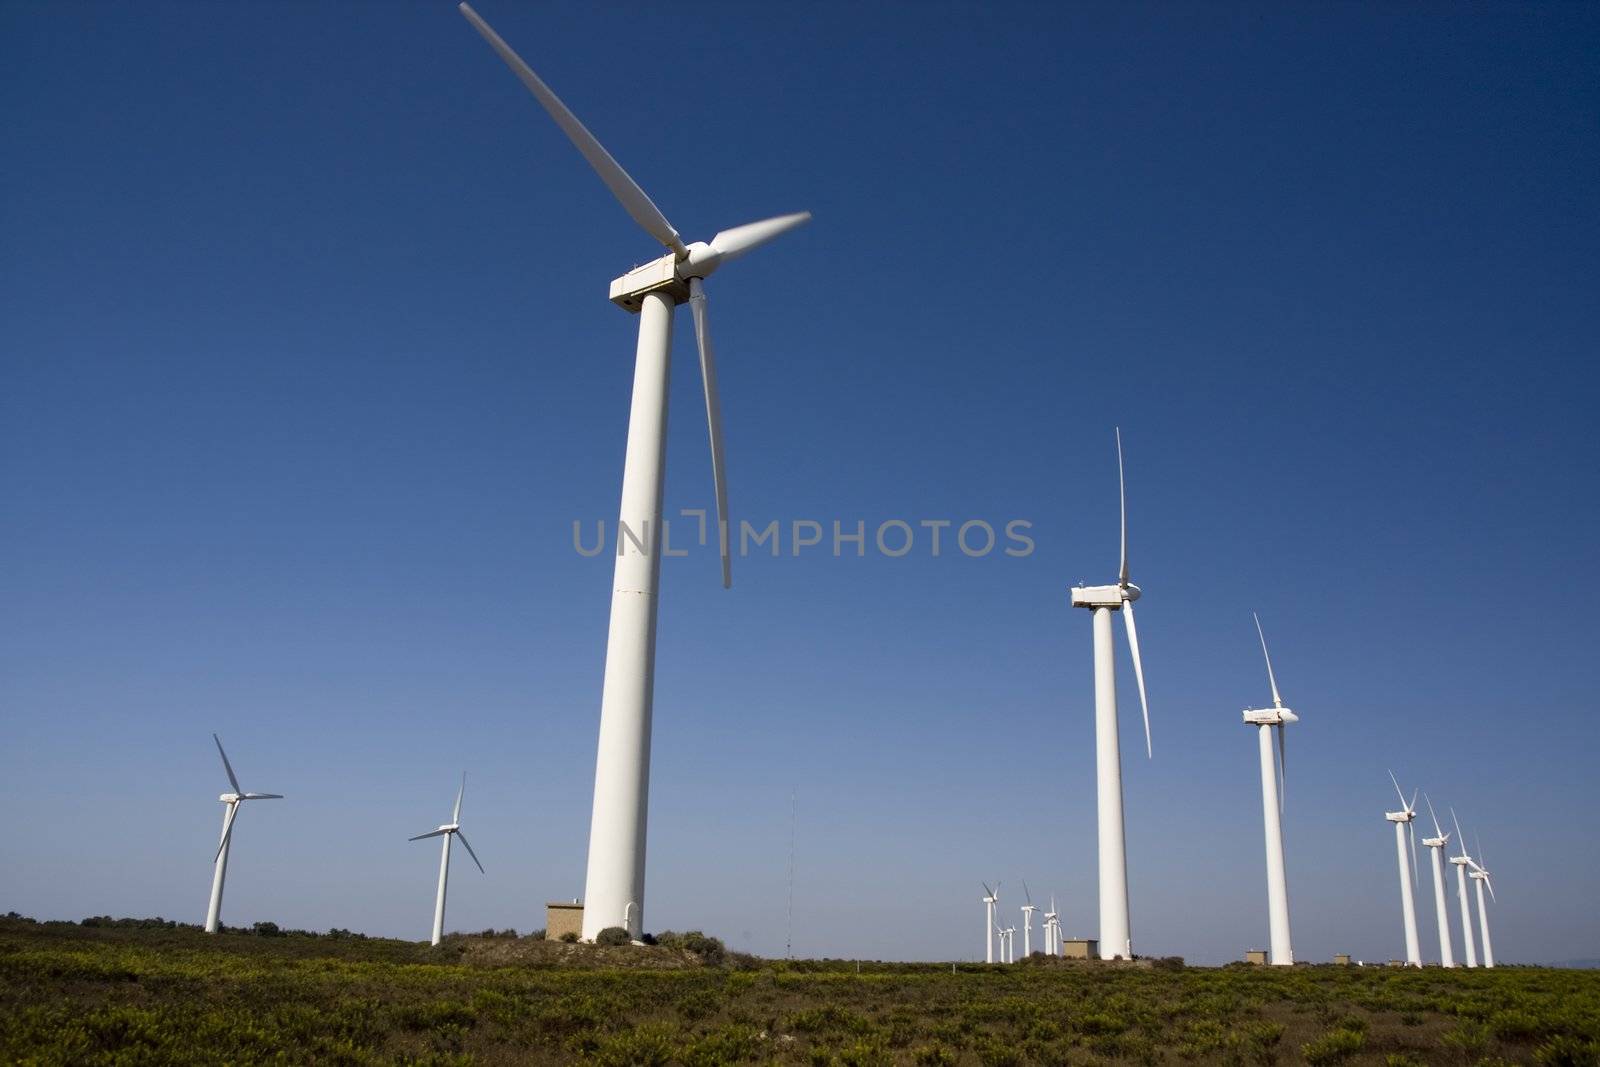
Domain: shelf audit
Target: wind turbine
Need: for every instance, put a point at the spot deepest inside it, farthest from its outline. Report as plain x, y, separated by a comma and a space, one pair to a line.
1402, 820
1115, 937
615, 879
1436, 846
1461, 863
991, 897
1008, 944
1480, 875
1027, 922
1266, 720
447, 831
1051, 937
232, 800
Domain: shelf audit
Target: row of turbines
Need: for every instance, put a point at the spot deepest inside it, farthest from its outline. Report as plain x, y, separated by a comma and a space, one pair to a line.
1007, 934
1405, 842
231, 800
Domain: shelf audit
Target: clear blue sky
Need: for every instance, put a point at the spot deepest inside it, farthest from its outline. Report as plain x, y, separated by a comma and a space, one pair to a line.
308, 369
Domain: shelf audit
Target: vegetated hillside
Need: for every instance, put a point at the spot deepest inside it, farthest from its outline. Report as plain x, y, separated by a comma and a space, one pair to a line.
106, 994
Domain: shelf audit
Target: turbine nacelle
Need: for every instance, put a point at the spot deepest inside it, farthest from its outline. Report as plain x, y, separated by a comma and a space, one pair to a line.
1269, 716
1399, 816
1436, 842
1102, 596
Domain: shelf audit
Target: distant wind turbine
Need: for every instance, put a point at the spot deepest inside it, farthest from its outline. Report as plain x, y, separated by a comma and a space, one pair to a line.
232, 800
1461, 862
1027, 921
447, 831
1480, 875
614, 893
1267, 720
1115, 936
1051, 935
991, 897
1403, 821
1436, 846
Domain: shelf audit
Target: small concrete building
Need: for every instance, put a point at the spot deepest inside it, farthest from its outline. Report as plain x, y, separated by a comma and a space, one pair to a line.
1257, 956
1342, 959
1080, 949
562, 917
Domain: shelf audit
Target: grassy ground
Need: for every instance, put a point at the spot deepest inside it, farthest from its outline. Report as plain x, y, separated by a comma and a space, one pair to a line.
82, 995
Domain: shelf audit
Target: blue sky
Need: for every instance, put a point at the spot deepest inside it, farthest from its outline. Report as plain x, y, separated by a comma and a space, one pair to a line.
308, 369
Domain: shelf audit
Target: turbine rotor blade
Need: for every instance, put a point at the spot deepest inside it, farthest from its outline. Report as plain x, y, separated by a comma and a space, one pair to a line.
731, 244
1411, 808
1138, 673
1283, 759
455, 816
1437, 830
1488, 884
227, 830
471, 853
430, 833
1277, 701
232, 778
1025, 891
986, 890
623, 187
708, 375
1415, 876
1122, 497
260, 796
1397, 792
1460, 838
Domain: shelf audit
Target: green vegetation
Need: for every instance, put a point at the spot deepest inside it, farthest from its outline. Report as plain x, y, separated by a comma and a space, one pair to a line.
153, 992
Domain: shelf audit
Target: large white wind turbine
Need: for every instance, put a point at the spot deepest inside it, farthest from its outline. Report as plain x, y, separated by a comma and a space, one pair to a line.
1480, 875
447, 831
1461, 863
615, 880
1116, 940
1027, 921
991, 897
1403, 821
1266, 720
1436, 846
1052, 936
232, 800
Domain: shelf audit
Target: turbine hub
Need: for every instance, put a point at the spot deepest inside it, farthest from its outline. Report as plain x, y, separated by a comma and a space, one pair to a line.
1130, 592
700, 262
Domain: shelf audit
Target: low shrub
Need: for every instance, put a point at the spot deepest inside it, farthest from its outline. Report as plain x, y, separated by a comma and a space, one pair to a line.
613, 935
1335, 1046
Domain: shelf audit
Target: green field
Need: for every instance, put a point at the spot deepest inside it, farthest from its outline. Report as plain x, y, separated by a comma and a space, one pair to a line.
97, 994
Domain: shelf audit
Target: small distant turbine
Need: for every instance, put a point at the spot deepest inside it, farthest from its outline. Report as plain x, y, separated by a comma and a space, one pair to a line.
232, 800
1403, 821
1461, 863
1027, 922
1436, 846
991, 897
1052, 932
447, 831
1268, 719
1480, 875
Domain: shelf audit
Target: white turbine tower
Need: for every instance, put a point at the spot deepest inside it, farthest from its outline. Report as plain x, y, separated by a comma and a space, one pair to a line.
1480, 875
1403, 821
1461, 862
1027, 922
615, 880
1436, 846
1008, 943
232, 800
1266, 720
991, 897
447, 831
1116, 938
